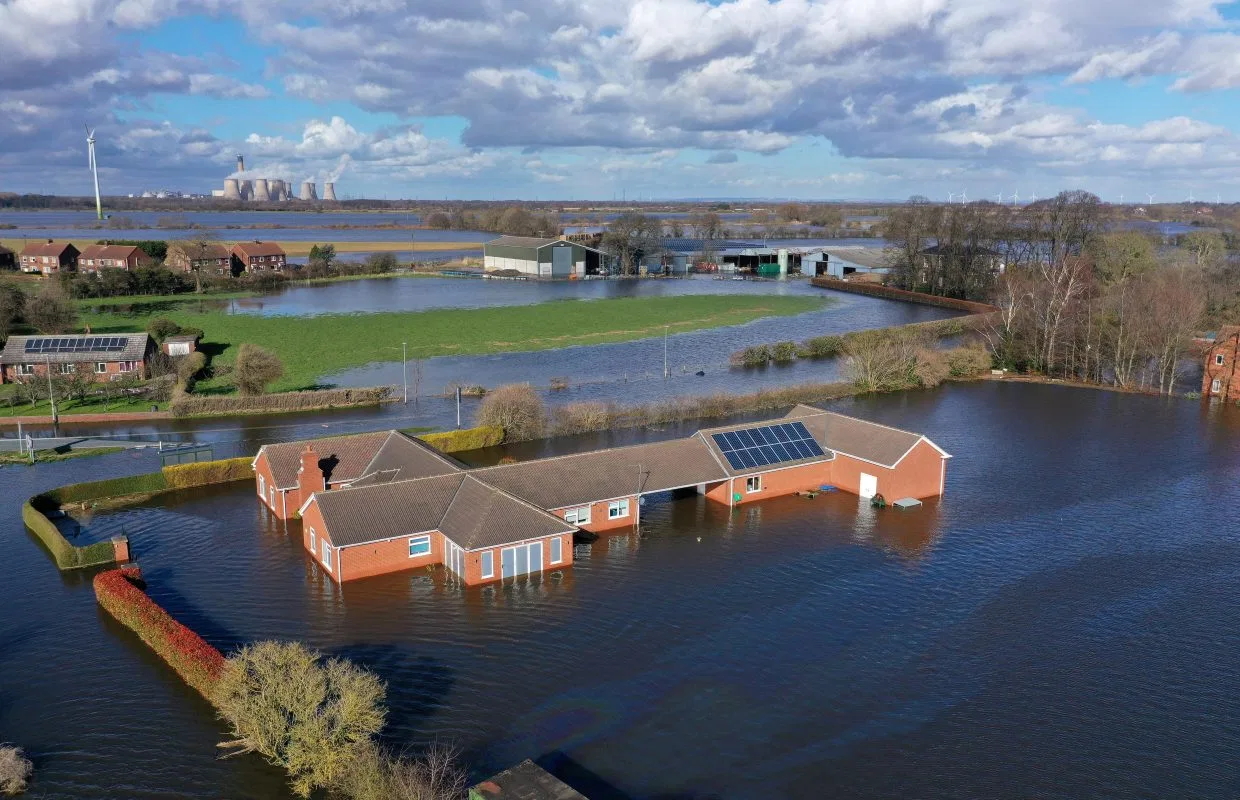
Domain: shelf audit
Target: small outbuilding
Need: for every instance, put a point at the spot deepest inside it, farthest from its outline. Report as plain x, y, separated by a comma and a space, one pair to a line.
543, 258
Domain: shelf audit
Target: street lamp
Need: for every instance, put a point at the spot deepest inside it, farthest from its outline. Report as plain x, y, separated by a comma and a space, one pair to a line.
51, 395
404, 373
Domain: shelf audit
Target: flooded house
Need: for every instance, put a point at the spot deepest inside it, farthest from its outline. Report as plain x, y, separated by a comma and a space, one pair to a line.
1222, 357
384, 502
110, 357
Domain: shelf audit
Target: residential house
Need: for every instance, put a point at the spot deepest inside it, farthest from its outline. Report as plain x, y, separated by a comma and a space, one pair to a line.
210, 259
257, 256
1222, 359
107, 357
382, 502
96, 257
49, 257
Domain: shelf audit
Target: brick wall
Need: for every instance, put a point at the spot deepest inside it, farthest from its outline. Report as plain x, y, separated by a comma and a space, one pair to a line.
473, 559
599, 520
379, 558
919, 475
783, 482
1227, 373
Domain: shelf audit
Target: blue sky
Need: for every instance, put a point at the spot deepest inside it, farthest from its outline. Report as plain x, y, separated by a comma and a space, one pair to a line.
584, 99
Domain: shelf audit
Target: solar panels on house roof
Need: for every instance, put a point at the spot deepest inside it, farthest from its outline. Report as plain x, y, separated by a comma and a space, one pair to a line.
76, 344
769, 444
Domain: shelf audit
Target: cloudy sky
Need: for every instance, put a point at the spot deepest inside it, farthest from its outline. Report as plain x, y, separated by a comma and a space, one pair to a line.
816, 99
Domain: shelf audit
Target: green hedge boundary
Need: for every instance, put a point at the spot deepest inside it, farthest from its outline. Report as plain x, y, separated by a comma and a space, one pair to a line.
467, 439
67, 556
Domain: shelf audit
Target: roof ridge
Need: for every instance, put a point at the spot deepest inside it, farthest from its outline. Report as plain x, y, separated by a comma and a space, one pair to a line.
868, 422
689, 438
512, 496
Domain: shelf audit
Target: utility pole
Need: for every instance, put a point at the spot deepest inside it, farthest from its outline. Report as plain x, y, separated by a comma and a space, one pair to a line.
458, 408
666, 328
404, 374
51, 395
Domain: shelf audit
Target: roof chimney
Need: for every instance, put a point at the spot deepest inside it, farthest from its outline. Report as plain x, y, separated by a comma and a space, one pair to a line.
310, 478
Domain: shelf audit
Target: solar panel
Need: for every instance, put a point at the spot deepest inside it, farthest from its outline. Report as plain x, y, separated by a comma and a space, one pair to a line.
86, 344
770, 444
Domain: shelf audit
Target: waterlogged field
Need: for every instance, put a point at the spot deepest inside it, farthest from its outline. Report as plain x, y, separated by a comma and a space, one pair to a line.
311, 347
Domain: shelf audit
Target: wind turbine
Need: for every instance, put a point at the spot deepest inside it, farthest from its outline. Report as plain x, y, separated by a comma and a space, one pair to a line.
1121, 199
1033, 198
951, 197
1190, 197
1015, 197
94, 168
964, 195
1151, 199
999, 198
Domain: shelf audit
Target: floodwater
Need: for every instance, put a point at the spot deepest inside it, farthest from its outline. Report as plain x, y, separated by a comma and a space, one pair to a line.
1060, 625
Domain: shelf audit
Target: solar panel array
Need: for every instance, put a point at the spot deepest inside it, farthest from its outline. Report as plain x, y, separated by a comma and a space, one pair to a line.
770, 444
51, 345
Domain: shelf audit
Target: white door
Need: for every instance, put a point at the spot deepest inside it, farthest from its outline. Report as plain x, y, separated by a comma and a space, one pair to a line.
869, 486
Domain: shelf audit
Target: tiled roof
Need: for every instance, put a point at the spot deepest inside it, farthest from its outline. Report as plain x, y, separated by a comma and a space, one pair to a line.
605, 474
351, 455
402, 458
118, 252
15, 350
210, 251
373, 513
46, 249
253, 249
463, 508
870, 441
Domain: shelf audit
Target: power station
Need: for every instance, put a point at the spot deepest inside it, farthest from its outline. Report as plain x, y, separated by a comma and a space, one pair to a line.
241, 188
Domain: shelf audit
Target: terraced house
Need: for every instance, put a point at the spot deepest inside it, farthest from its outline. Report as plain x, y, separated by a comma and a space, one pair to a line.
49, 257
382, 502
97, 257
258, 256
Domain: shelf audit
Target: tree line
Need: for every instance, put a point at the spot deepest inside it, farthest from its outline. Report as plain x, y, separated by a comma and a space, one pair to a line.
1077, 298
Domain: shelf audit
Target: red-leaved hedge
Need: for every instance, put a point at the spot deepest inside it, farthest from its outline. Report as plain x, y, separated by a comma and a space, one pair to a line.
120, 593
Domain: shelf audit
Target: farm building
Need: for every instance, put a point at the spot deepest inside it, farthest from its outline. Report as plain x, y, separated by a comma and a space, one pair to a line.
105, 357
543, 258
49, 257
382, 502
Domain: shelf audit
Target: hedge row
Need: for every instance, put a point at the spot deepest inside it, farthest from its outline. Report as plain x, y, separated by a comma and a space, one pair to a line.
189, 405
892, 293
832, 346
149, 483
67, 556
121, 593
467, 439
205, 473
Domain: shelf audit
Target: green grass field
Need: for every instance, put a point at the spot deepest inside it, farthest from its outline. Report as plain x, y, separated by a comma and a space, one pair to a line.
312, 347
11, 408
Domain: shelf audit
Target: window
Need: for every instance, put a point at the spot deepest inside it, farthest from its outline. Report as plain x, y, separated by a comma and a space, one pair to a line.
262, 486
1216, 385
66, 369
25, 369
101, 367
327, 556
127, 366
557, 550
617, 509
753, 484
419, 546
1218, 359
313, 539
578, 516
487, 562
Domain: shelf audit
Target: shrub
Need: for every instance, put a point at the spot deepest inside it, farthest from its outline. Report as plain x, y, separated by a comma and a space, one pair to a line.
51, 311
465, 439
784, 352
121, 593
380, 263
255, 369
559, 384
967, 361
195, 405
15, 770
517, 409
932, 368
582, 418
434, 775
205, 473
66, 556
313, 717
756, 356
821, 347
161, 328
188, 368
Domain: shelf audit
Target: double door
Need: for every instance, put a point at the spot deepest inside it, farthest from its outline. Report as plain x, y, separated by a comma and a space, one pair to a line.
521, 560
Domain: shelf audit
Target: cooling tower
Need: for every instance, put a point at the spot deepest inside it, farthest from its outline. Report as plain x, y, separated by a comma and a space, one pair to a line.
240, 163
308, 192
275, 187
232, 189
262, 193
329, 191
247, 190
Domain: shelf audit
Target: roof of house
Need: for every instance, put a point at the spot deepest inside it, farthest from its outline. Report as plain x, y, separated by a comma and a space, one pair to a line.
47, 249
119, 252
74, 348
194, 252
468, 511
707, 436
348, 456
254, 249
402, 458
526, 781
581, 478
859, 438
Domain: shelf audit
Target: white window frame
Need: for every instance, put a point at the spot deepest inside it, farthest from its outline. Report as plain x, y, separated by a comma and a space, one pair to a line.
753, 484
1218, 359
486, 564
314, 541
1216, 386
327, 556
618, 509
25, 369
557, 550
67, 369
423, 539
262, 487
101, 367
127, 366
579, 515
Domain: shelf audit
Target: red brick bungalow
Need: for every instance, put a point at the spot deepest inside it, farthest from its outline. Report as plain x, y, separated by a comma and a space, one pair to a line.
97, 257
108, 357
408, 506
